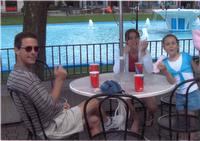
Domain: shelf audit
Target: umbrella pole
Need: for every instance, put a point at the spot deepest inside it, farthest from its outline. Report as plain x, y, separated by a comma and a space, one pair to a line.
121, 37
137, 9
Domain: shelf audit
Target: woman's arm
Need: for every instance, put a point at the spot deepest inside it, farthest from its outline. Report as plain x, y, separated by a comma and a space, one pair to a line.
145, 57
127, 49
143, 47
147, 62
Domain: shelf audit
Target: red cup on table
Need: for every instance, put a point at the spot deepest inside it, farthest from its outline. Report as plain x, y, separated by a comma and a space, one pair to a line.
139, 82
94, 79
94, 67
138, 68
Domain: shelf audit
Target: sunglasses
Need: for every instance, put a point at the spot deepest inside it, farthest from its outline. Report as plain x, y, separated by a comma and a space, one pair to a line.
30, 48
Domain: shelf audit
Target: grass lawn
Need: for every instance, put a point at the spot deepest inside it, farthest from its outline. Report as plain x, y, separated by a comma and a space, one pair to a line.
13, 20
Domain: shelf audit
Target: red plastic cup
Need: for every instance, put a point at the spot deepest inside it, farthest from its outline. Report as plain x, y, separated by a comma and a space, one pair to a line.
138, 68
94, 67
139, 82
94, 79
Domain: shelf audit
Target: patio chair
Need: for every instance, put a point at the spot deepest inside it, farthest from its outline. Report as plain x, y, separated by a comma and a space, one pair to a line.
165, 103
47, 70
115, 134
33, 124
19, 99
179, 122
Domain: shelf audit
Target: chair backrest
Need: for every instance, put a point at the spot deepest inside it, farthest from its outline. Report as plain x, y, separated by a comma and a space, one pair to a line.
33, 123
117, 99
190, 83
47, 70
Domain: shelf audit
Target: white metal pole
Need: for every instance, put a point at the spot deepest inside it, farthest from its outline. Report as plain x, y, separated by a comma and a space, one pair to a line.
121, 37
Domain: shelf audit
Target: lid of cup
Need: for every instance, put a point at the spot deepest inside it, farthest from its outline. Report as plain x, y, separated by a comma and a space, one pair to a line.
141, 75
95, 64
94, 72
138, 63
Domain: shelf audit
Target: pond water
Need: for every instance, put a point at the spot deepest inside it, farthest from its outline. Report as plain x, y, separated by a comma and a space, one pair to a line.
82, 33
85, 33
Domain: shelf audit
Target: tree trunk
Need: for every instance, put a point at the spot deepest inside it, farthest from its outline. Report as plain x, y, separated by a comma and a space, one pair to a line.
35, 19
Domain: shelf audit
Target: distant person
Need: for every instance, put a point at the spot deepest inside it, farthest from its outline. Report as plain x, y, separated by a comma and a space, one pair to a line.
177, 68
66, 8
162, 6
59, 119
136, 51
108, 9
70, 8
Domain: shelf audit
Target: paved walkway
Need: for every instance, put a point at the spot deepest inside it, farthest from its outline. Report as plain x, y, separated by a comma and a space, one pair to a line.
18, 132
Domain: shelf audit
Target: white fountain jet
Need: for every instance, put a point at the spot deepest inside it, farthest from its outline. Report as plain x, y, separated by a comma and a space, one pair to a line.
147, 23
91, 24
145, 34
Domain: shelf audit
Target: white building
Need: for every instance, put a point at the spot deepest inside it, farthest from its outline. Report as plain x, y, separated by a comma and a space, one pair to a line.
17, 5
11, 5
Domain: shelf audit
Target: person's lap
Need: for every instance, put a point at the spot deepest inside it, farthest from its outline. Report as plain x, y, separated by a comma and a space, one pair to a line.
193, 101
91, 107
66, 123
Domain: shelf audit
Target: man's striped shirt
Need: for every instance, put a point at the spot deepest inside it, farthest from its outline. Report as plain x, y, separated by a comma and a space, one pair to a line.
28, 84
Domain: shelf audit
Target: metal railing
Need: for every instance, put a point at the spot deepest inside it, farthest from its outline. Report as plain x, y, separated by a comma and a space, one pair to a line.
76, 58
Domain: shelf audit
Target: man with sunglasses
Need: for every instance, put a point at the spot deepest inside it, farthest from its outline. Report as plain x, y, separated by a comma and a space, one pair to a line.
59, 119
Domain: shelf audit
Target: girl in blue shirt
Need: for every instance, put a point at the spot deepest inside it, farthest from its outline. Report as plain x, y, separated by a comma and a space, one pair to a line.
177, 68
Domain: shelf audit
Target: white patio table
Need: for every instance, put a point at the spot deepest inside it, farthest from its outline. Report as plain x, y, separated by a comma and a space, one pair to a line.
154, 84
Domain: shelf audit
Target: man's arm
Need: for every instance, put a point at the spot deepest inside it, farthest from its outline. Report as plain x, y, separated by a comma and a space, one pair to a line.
60, 74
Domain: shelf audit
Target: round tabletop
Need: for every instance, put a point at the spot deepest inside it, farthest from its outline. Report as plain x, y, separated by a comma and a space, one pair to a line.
154, 84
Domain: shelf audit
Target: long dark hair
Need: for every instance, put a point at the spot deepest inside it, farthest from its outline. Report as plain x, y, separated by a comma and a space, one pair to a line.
130, 31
